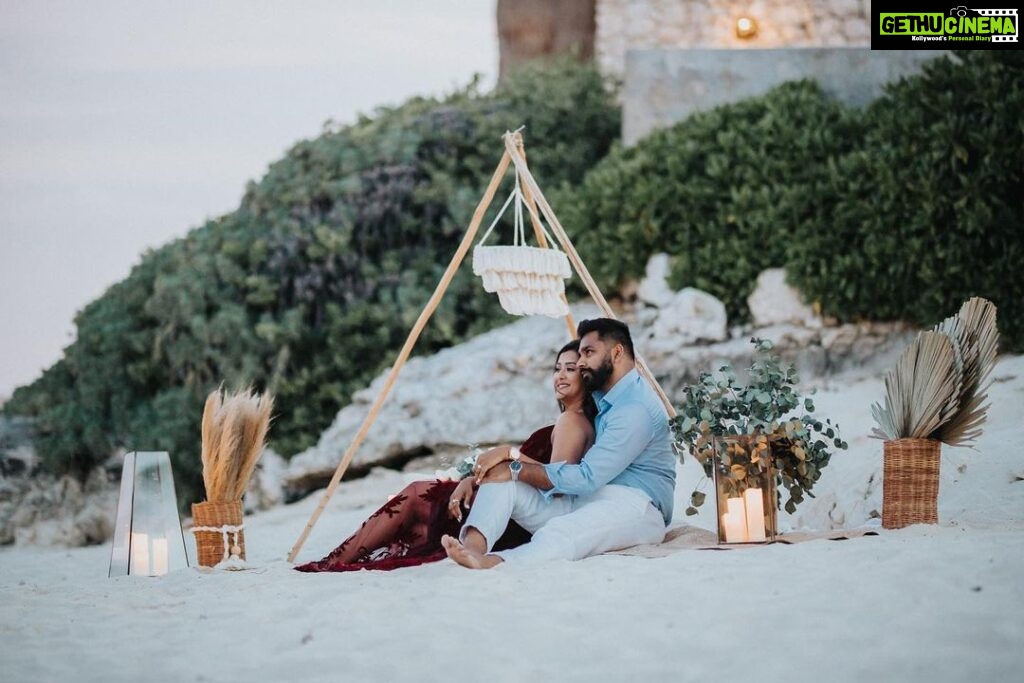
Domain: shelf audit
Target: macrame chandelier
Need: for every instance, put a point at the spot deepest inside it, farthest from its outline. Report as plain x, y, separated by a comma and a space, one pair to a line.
528, 280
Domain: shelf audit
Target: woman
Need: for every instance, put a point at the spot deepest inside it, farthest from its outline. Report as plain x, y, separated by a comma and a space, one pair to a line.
407, 530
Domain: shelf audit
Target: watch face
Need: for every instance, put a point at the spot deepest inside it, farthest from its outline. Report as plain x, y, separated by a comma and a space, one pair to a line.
515, 466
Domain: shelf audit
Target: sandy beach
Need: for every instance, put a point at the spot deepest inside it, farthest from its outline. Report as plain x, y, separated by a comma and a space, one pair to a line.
926, 603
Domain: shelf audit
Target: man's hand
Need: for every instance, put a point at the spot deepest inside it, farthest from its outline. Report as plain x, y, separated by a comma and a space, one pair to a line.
462, 496
489, 460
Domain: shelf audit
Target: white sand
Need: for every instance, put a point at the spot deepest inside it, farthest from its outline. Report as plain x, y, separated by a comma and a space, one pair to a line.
927, 603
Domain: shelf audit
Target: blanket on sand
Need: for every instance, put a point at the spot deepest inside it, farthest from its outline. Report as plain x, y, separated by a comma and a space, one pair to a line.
685, 537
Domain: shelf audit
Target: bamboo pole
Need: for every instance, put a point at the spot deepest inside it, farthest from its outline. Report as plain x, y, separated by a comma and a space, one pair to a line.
574, 257
538, 230
410, 342
517, 138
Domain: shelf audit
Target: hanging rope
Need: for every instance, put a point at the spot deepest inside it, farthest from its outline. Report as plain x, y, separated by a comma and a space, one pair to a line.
232, 550
528, 280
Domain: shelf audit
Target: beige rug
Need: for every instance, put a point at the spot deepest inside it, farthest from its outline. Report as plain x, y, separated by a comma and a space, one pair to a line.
687, 537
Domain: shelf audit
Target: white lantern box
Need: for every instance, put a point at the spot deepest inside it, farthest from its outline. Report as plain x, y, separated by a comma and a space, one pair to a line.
147, 530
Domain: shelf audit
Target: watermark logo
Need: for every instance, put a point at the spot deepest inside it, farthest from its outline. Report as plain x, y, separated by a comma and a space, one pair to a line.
957, 28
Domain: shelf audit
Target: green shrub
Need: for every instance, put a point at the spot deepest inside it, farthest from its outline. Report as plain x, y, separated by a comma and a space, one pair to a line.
312, 285
929, 210
723, 192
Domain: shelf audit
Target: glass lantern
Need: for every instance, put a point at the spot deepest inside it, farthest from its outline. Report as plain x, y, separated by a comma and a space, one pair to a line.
147, 530
745, 491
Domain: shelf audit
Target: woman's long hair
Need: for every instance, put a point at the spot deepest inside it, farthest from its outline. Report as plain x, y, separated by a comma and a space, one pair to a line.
589, 407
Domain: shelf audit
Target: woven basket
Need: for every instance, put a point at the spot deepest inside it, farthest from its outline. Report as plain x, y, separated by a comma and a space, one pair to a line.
210, 544
910, 486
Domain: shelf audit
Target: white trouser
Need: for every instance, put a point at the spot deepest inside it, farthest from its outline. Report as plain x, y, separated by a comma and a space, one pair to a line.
565, 527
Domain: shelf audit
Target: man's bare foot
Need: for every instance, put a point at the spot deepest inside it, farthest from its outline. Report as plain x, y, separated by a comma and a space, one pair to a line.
466, 557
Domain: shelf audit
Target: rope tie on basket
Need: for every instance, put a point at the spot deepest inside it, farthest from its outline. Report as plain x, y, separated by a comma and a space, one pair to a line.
232, 551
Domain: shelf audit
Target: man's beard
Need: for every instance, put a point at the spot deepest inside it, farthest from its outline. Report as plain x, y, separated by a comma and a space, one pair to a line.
595, 378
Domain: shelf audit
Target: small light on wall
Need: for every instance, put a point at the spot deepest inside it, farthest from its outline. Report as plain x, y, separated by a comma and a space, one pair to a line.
746, 27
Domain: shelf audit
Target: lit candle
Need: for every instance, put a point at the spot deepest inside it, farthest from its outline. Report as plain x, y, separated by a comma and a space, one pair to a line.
735, 521
140, 554
754, 503
159, 556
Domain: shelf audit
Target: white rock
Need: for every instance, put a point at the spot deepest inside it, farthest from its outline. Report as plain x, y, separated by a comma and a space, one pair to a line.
691, 316
266, 489
654, 289
47, 510
493, 388
496, 387
774, 302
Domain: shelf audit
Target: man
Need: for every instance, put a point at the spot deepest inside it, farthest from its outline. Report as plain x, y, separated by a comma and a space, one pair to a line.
620, 494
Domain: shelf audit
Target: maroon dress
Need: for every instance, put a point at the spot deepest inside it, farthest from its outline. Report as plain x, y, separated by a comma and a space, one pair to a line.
406, 531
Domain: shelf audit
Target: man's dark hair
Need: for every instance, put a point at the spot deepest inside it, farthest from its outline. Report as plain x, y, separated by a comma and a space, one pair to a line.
607, 329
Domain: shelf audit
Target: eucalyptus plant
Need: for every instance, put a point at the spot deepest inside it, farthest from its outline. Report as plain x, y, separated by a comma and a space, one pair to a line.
768, 408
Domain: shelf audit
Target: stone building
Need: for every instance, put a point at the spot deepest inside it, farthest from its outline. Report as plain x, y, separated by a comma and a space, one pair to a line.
739, 24
675, 57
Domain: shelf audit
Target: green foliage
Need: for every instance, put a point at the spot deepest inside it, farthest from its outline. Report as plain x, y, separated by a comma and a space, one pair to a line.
898, 211
765, 409
930, 210
901, 210
724, 192
311, 286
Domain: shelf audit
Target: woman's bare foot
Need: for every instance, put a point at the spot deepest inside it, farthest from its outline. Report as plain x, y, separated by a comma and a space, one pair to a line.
466, 557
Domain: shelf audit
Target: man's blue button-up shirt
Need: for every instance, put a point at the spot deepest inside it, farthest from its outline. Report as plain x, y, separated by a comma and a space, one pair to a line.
632, 447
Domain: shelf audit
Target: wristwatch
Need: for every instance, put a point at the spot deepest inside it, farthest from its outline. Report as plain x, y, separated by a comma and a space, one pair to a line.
514, 453
515, 467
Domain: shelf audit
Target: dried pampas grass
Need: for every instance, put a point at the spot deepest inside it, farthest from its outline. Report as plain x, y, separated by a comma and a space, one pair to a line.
234, 433
937, 389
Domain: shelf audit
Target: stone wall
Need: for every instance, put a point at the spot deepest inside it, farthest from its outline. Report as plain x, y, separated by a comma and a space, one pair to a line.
623, 25
664, 86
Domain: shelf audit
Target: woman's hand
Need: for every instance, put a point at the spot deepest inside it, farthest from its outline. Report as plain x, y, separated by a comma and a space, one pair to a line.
462, 496
490, 460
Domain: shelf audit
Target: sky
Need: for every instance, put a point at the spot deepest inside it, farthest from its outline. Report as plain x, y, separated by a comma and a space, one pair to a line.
125, 124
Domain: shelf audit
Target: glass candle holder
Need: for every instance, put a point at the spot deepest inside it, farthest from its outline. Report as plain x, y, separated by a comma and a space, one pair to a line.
745, 495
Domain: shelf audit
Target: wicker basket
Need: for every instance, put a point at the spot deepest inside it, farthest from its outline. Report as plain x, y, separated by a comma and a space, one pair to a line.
910, 486
210, 544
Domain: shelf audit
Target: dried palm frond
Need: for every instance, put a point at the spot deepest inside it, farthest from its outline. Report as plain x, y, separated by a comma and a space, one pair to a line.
234, 434
921, 392
975, 335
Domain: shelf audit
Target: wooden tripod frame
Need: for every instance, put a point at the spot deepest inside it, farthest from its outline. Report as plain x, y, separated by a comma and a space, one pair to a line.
515, 155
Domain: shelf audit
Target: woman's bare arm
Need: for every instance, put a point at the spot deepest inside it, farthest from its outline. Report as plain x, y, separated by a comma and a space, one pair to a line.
572, 436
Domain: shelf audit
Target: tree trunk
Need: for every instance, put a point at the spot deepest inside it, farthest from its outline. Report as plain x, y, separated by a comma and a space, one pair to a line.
532, 29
